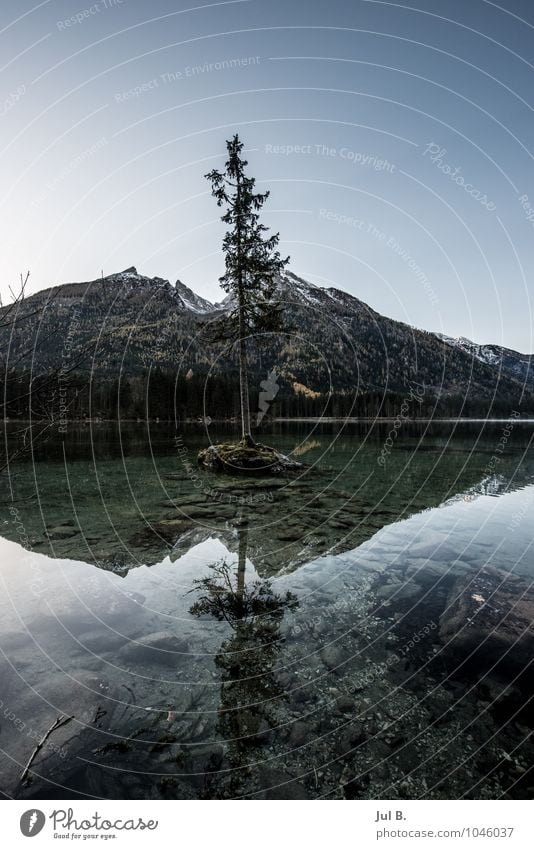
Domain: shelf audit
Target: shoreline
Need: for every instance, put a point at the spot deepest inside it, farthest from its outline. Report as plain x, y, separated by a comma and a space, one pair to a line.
304, 420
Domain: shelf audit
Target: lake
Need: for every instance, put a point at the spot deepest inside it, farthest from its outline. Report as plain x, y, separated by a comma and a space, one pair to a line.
358, 630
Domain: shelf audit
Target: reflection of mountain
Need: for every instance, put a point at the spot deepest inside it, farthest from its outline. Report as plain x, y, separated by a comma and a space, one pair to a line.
275, 701
343, 529
121, 512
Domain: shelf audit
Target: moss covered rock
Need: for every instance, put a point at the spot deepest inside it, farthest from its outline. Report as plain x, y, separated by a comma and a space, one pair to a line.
242, 458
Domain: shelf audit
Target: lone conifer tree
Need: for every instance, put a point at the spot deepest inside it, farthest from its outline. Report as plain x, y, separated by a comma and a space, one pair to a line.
252, 263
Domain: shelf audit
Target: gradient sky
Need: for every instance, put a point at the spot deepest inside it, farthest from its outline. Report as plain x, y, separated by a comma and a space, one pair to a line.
109, 122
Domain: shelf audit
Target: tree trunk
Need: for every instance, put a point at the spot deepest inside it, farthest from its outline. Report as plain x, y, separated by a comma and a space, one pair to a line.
242, 560
243, 393
242, 564
246, 435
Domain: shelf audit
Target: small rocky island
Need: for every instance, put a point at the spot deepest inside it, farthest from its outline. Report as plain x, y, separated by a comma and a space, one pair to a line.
246, 457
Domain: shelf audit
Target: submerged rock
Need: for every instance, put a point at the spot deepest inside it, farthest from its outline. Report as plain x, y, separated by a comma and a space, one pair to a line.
334, 656
239, 458
488, 621
196, 763
398, 591
160, 647
301, 733
345, 704
61, 532
279, 784
352, 736
253, 727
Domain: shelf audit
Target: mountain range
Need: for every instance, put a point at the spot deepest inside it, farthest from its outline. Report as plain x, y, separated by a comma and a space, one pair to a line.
336, 354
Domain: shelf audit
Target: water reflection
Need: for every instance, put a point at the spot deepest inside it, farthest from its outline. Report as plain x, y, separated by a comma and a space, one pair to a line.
123, 499
346, 638
246, 661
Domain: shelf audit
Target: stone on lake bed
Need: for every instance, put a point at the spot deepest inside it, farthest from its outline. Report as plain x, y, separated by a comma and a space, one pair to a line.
253, 727
487, 622
61, 532
279, 784
238, 487
166, 529
239, 458
399, 591
198, 761
187, 500
301, 733
97, 642
352, 735
345, 704
291, 535
334, 656
159, 647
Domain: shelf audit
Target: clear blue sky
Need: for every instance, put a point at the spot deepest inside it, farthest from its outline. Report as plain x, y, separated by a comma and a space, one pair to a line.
396, 140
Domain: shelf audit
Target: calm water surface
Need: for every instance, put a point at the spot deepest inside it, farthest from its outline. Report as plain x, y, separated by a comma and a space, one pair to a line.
358, 631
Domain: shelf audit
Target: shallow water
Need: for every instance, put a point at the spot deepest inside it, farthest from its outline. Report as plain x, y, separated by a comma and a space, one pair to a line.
360, 631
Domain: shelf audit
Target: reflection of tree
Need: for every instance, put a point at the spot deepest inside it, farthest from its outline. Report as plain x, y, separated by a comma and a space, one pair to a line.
246, 660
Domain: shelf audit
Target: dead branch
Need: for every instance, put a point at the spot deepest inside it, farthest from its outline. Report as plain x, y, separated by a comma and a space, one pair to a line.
61, 720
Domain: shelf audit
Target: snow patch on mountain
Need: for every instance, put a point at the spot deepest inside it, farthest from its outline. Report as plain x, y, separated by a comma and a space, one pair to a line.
308, 292
131, 279
191, 301
505, 360
489, 354
294, 289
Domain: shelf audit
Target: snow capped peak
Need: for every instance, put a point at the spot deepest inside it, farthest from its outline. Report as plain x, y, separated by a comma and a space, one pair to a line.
191, 301
294, 280
130, 280
227, 303
507, 361
319, 296
302, 289
131, 275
